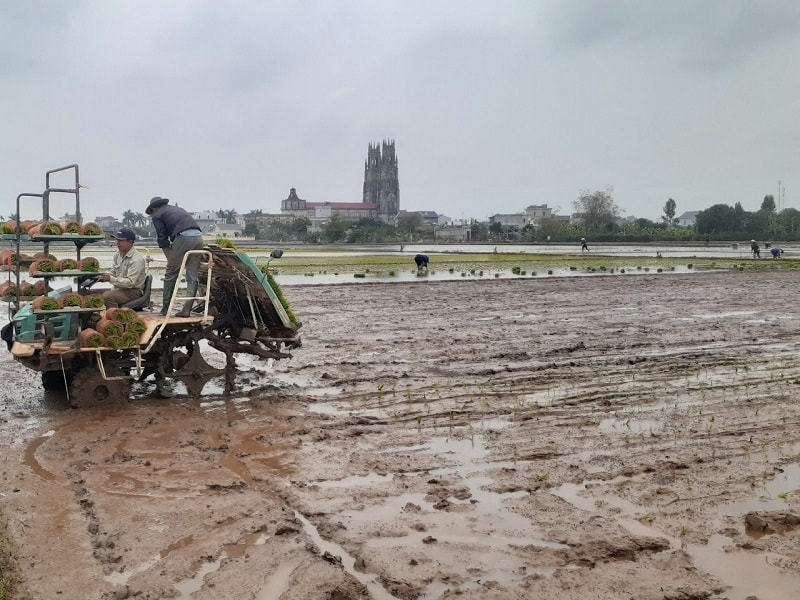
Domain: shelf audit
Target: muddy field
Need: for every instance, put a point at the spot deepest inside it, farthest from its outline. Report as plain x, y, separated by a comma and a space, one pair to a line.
608, 437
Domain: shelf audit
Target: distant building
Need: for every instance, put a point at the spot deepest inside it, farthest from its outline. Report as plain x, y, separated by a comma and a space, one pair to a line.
205, 219
381, 184
510, 220
106, 223
320, 213
533, 215
688, 218
224, 230
429, 217
380, 199
452, 234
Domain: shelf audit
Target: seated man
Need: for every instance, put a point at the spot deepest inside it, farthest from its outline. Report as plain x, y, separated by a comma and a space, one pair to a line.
127, 272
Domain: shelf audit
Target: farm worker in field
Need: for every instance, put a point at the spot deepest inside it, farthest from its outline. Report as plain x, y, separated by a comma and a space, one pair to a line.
755, 249
127, 274
584, 245
776, 252
177, 233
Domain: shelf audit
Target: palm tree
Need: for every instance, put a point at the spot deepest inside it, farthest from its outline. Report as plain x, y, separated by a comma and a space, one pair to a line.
129, 218
141, 219
229, 216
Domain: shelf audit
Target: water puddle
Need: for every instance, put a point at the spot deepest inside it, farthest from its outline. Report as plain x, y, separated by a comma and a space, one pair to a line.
630, 425
355, 480
723, 315
772, 494
30, 456
324, 408
455, 519
279, 581
189, 586
748, 574
377, 591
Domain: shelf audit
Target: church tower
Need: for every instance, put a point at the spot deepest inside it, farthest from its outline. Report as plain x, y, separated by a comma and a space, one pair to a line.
293, 204
381, 186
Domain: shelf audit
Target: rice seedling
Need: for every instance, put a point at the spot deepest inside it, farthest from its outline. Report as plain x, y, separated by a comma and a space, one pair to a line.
647, 518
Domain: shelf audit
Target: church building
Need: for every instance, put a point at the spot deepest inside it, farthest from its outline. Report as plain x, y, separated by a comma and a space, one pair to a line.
380, 200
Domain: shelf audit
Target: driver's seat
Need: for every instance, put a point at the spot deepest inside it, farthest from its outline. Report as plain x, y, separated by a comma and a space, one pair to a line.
142, 301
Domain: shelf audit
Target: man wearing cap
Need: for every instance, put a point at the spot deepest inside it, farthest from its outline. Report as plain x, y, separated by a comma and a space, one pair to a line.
177, 233
127, 274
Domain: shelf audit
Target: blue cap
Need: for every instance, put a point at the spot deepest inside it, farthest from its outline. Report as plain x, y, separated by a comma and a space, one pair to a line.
124, 234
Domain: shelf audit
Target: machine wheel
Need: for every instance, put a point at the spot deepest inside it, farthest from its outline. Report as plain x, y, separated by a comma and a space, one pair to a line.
89, 388
56, 381
185, 363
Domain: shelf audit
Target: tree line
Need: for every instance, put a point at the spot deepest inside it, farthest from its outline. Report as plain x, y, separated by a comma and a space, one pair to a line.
600, 219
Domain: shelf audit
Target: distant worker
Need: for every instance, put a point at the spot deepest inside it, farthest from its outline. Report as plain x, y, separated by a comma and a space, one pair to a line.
776, 252
127, 274
755, 249
422, 261
584, 245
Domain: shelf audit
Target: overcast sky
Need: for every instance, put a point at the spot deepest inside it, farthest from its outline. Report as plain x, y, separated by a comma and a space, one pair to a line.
493, 105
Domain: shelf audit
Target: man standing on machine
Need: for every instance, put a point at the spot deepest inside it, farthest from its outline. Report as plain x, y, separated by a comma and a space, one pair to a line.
177, 233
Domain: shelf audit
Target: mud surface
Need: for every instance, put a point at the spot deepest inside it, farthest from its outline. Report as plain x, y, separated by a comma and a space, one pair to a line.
607, 438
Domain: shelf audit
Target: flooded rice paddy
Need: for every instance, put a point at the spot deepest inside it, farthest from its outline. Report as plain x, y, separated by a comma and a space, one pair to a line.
510, 437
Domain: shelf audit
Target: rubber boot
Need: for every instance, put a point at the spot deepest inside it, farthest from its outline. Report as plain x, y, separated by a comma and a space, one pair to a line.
191, 290
169, 289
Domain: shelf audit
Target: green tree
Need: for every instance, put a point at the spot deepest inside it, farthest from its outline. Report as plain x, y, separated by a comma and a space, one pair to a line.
721, 220
300, 225
788, 223
409, 225
129, 218
669, 212
768, 204
335, 230
479, 231
229, 216
597, 209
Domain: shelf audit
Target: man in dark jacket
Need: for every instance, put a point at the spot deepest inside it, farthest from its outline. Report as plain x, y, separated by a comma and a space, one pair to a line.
177, 233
